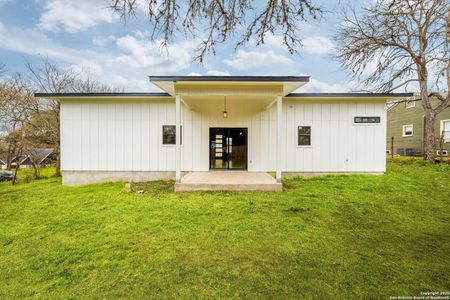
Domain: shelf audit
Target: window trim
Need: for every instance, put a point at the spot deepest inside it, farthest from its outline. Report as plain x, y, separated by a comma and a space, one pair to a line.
162, 136
412, 130
310, 136
410, 101
441, 127
367, 124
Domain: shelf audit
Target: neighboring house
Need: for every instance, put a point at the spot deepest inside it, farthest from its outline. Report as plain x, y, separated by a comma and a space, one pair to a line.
38, 156
405, 123
249, 123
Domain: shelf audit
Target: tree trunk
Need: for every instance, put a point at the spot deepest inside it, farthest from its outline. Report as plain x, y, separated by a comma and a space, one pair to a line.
16, 170
429, 146
429, 142
36, 169
9, 157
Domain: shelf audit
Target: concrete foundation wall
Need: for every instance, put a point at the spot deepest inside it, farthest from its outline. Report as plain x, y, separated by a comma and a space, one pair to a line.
87, 177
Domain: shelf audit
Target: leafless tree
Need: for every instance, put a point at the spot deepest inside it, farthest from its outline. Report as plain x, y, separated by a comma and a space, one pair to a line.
16, 106
48, 77
408, 41
216, 21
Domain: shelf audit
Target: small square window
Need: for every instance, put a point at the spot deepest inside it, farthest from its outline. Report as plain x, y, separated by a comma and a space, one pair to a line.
410, 104
169, 135
408, 130
304, 135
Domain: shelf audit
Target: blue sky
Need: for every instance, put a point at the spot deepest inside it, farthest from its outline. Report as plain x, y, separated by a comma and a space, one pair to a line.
84, 35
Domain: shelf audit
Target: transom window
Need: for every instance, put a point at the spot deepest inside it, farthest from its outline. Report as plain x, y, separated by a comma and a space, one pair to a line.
304, 135
408, 130
169, 134
367, 120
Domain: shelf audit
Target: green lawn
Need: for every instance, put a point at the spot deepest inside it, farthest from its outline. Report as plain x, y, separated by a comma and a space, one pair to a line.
331, 237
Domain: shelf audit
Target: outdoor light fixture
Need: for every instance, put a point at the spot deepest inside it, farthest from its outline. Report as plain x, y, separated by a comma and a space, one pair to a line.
225, 113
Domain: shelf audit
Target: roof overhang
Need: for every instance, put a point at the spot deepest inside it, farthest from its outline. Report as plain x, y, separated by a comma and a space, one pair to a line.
280, 85
381, 96
101, 96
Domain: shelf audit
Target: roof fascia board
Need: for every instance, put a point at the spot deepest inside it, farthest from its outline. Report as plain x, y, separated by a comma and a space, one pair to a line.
230, 79
104, 95
348, 95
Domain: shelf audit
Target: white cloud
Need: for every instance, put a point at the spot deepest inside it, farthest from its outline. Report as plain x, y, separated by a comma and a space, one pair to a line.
126, 65
317, 45
211, 73
74, 16
33, 42
103, 40
150, 55
274, 42
317, 86
217, 73
244, 60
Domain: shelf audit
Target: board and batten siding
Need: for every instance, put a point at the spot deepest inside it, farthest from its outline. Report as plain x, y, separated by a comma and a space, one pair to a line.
127, 136
116, 136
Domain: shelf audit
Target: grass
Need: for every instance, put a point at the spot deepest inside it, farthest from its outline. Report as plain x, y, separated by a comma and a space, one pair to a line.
351, 237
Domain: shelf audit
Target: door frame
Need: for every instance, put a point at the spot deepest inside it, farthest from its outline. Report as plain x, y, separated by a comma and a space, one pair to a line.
228, 162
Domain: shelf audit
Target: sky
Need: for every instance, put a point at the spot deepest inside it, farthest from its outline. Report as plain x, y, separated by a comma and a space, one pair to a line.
86, 36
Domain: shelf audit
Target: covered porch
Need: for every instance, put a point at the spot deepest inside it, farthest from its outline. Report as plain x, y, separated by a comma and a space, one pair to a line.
228, 181
221, 121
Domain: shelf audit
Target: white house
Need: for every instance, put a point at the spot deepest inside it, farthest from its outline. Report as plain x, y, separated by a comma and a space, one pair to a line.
209, 123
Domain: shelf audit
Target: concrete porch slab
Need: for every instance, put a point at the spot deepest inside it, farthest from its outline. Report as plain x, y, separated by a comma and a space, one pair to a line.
228, 181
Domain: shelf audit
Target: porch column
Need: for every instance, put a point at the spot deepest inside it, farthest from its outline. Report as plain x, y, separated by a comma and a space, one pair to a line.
279, 134
177, 138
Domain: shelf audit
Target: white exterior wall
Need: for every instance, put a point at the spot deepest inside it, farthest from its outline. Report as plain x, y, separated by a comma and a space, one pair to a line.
338, 145
116, 136
125, 136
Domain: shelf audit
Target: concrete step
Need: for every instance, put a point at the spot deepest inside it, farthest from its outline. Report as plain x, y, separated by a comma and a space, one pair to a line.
190, 187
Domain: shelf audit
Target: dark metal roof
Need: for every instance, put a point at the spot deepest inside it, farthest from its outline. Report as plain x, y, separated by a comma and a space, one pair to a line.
232, 78
44, 95
365, 95
302, 95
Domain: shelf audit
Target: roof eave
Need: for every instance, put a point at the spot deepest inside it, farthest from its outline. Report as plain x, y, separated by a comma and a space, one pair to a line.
100, 95
230, 78
350, 95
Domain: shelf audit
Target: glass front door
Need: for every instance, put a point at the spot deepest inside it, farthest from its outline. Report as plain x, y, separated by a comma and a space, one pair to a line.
228, 148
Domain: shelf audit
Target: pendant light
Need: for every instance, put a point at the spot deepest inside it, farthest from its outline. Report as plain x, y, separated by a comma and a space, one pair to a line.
225, 113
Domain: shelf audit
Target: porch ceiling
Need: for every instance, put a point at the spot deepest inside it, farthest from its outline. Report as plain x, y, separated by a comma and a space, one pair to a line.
241, 103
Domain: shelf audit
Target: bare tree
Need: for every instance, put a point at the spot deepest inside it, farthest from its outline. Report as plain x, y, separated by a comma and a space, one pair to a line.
16, 105
409, 43
216, 21
50, 78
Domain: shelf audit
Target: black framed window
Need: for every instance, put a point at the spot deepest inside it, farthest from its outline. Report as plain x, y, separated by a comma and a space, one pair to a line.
169, 135
304, 135
367, 120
